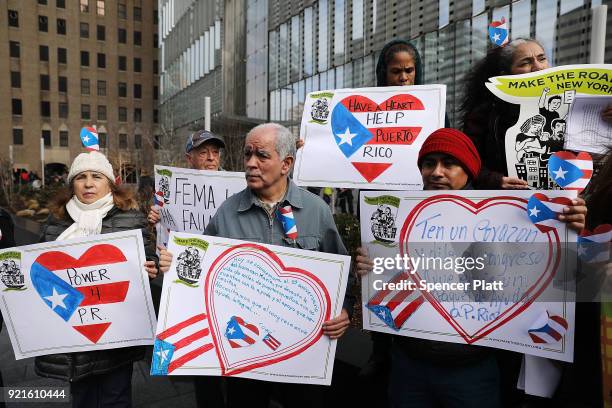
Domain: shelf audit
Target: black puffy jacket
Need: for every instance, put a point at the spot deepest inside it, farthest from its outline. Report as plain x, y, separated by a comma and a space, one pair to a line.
77, 366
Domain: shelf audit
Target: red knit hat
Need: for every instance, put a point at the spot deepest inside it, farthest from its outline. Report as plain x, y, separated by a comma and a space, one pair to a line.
454, 143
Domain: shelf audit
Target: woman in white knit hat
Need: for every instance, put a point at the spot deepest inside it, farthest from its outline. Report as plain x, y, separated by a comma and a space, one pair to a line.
93, 204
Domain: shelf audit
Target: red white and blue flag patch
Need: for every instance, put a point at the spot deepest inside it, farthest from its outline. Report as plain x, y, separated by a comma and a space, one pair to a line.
498, 32
569, 171
285, 216
240, 333
89, 137
548, 329
158, 197
544, 212
271, 342
594, 246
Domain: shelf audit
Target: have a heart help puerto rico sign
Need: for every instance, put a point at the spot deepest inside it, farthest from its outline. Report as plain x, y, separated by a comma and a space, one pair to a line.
368, 137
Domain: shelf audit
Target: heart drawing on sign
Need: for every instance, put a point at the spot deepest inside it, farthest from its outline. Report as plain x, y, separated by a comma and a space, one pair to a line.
540, 276
260, 311
367, 132
75, 289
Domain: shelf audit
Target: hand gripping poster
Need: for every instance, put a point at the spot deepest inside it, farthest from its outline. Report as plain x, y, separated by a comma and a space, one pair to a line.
77, 295
367, 138
234, 308
187, 199
546, 98
471, 267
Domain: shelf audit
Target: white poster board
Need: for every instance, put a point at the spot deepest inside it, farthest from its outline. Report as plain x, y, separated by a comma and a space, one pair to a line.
519, 278
235, 308
367, 138
187, 199
77, 295
545, 98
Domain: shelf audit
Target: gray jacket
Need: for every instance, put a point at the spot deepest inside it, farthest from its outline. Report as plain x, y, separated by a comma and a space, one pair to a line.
242, 217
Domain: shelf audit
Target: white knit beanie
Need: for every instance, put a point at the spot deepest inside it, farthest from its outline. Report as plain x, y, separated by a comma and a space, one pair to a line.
91, 161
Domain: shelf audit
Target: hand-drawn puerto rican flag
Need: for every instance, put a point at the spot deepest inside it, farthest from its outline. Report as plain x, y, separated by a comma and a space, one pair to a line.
89, 137
543, 212
285, 216
240, 333
180, 343
498, 32
64, 299
594, 246
394, 307
548, 329
569, 171
271, 341
362, 132
158, 197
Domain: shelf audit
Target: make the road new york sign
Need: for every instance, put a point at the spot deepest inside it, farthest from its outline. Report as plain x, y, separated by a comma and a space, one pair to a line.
77, 295
369, 137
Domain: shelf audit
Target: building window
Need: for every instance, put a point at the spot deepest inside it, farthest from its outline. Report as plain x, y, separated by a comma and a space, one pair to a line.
137, 38
122, 90
44, 83
43, 23
15, 79
155, 67
17, 136
102, 140
62, 84
43, 2
84, 30
122, 63
84, 58
101, 88
13, 18
84, 86
63, 134
122, 10
62, 56
155, 116
100, 7
85, 111
122, 36
155, 17
137, 115
155, 40
60, 3
155, 92
14, 49
46, 135
137, 65
101, 112
138, 141
45, 109
122, 114
61, 26
16, 106
63, 109
137, 14
101, 60
137, 91
84, 6
43, 52
157, 142
101, 33
123, 144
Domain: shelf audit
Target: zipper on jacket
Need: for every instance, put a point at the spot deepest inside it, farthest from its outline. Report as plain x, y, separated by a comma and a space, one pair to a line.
71, 365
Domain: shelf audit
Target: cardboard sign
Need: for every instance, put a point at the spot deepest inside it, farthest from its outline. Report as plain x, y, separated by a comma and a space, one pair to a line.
472, 268
77, 295
369, 137
187, 199
235, 308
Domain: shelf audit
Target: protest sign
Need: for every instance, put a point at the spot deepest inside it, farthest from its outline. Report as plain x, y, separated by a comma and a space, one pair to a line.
472, 267
77, 295
545, 98
187, 199
235, 308
368, 137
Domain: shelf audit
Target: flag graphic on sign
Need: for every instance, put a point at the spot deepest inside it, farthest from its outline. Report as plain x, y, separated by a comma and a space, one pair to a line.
89, 137
594, 246
548, 329
569, 171
181, 343
285, 216
240, 333
498, 32
64, 299
544, 212
394, 307
271, 342
158, 197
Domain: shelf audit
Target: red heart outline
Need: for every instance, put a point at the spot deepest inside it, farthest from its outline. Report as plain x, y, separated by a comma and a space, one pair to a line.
538, 287
281, 354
